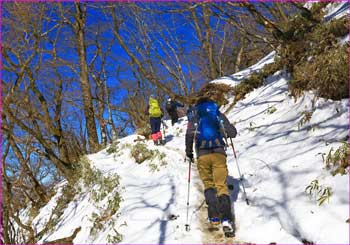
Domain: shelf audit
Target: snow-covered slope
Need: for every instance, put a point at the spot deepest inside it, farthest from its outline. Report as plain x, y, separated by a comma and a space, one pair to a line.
280, 157
277, 155
236, 78
280, 146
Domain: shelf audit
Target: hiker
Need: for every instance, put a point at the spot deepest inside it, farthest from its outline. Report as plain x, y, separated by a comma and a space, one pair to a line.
171, 107
206, 129
155, 114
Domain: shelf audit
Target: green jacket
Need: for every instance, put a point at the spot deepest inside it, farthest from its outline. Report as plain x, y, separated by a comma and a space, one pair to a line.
154, 108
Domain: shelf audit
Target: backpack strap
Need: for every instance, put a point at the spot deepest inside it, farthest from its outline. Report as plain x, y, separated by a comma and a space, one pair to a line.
222, 127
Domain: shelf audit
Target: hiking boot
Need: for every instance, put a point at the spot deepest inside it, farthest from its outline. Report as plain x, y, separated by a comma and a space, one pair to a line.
228, 228
227, 224
214, 221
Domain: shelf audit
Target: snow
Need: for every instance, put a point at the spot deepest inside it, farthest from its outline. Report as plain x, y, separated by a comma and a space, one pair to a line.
345, 39
277, 158
337, 10
236, 78
276, 154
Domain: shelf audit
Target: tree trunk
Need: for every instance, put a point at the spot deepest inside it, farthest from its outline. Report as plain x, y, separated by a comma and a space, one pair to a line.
6, 201
84, 77
110, 118
240, 55
207, 43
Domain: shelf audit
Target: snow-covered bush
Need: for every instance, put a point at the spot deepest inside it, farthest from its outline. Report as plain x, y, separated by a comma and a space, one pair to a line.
326, 73
255, 80
104, 194
67, 195
113, 148
314, 57
141, 153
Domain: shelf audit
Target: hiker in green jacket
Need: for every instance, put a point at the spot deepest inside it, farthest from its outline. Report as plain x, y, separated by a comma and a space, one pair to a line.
155, 114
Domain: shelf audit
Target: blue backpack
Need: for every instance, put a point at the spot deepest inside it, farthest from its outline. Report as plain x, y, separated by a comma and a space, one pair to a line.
208, 133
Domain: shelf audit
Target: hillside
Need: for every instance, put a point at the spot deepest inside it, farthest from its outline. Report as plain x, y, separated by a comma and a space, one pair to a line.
279, 153
134, 192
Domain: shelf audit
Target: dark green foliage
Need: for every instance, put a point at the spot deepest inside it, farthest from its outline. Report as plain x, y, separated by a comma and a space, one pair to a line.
102, 187
313, 57
141, 153
216, 91
255, 80
248, 85
305, 118
319, 192
298, 28
337, 161
317, 9
88, 175
116, 238
113, 148
271, 110
325, 73
68, 193
339, 28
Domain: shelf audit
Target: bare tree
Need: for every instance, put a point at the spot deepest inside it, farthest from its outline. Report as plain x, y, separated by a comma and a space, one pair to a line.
24, 103
78, 27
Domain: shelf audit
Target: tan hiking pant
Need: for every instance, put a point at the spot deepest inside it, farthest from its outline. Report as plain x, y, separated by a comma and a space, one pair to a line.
213, 172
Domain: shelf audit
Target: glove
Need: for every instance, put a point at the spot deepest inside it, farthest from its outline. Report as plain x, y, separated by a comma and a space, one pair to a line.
190, 156
231, 131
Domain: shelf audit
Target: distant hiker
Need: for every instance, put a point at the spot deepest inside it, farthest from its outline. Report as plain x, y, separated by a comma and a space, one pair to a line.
155, 114
206, 129
171, 107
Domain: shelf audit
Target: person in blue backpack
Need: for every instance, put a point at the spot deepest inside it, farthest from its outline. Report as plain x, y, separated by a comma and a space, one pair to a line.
206, 129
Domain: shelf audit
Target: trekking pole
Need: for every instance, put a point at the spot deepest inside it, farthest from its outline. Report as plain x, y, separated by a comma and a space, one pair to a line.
239, 172
187, 226
164, 125
163, 129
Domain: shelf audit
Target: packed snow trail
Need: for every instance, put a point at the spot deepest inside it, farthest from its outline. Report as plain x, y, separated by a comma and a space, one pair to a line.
161, 194
150, 197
